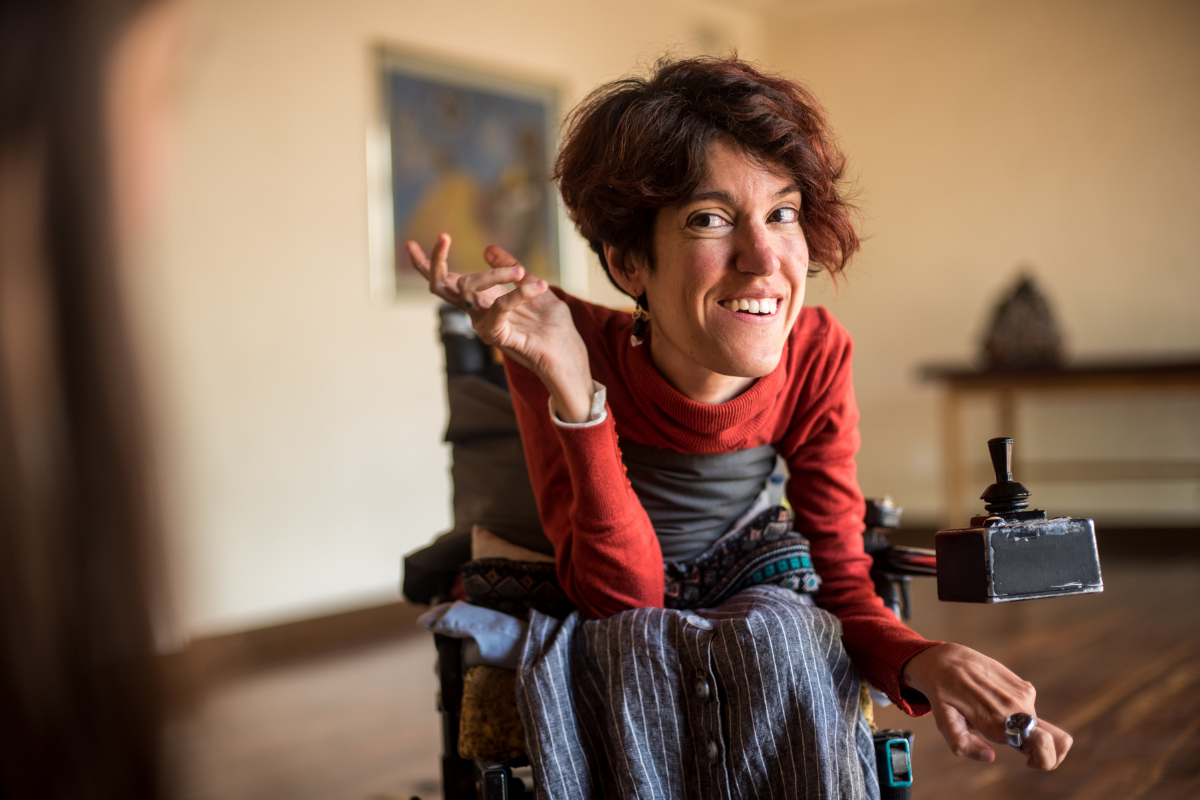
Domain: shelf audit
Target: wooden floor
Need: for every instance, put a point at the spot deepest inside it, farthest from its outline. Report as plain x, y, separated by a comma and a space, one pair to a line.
1120, 670
359, 726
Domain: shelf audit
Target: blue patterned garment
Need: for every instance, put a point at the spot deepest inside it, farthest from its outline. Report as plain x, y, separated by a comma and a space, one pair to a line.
765, 551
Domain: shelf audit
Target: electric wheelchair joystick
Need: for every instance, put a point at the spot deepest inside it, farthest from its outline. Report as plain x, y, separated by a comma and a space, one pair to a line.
1012, 552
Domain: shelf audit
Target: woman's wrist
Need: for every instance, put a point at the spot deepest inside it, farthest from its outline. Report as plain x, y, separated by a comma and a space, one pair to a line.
571, 388
914, 672
568, 378
572, 402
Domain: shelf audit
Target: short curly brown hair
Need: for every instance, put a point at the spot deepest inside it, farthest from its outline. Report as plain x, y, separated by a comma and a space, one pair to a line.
638, 144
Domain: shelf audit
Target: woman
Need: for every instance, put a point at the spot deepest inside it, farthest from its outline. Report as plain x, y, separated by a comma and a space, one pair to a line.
82, 91
708, 190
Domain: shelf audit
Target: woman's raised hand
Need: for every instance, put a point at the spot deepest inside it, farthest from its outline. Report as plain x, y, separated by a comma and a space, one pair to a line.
971, 692
528, 322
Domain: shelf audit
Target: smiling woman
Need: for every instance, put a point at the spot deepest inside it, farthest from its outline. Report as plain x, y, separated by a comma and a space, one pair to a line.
707, 189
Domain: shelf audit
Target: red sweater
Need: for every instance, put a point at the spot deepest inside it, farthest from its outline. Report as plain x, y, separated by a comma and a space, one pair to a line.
607, 553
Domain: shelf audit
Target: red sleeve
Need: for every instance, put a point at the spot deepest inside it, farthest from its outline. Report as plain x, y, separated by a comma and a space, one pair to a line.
608, 556
819, 448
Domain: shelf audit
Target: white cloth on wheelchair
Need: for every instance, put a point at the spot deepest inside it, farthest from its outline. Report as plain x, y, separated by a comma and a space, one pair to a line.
490, 637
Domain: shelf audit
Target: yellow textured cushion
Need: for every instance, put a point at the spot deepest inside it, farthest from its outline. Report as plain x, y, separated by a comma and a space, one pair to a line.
490, 727
867, 705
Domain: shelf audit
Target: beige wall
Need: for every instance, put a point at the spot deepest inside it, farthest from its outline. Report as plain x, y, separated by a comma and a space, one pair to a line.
985, 134
302, 421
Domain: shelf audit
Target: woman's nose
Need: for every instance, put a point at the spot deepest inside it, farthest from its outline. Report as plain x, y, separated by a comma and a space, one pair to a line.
756, 251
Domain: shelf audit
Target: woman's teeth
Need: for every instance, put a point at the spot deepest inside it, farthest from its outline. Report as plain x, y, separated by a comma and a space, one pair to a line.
768, 305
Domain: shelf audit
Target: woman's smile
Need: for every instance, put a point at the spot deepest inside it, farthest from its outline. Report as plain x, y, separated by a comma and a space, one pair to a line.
752, 306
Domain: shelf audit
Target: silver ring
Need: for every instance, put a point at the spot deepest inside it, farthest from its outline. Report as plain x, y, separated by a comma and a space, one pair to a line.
1018, 728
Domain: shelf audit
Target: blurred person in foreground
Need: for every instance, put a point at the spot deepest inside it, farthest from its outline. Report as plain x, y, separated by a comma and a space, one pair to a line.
84, 86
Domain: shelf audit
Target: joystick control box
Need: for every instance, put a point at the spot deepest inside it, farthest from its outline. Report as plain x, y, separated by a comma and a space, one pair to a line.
1014, 553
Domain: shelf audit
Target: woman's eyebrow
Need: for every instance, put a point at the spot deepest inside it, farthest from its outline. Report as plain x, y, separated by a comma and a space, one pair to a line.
722, 196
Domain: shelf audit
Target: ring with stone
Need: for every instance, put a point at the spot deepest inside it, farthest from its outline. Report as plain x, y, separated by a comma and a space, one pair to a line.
1018, 728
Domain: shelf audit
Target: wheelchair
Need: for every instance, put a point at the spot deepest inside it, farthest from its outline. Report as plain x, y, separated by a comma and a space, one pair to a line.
482, 432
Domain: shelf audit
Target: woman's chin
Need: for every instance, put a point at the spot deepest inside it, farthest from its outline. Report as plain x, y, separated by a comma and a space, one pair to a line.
746, 365
743, 346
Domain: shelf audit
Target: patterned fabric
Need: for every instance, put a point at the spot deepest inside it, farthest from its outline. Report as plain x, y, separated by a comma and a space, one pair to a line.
755, 698
766, 551
515, 587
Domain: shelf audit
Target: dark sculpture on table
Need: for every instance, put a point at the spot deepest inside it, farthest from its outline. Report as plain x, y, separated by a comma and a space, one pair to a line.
1023, 334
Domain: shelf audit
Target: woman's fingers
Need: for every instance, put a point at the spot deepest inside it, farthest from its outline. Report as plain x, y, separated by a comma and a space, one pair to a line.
957, 732
526, 290
494, 325
506, 304
417, 256
1063, 742
477, 292
437, 259
471, 286
434, 268
971, 692
1047, 746
499, 258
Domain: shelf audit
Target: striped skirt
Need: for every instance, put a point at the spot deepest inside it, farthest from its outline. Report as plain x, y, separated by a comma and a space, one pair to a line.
755, 697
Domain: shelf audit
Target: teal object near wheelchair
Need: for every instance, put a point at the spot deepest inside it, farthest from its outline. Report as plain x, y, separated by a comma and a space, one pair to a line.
899, 763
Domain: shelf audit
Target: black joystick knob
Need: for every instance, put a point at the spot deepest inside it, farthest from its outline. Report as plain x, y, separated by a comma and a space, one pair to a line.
1005, 496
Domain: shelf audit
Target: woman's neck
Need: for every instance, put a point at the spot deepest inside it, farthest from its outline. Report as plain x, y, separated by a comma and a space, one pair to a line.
693, 380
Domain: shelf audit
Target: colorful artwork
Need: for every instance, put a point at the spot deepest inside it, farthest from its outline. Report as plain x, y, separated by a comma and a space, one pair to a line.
469, 155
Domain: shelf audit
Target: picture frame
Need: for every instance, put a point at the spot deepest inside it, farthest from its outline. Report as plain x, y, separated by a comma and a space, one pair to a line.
463, 150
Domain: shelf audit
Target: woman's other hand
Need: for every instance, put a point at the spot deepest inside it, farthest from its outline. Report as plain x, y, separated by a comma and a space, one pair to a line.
971, 692
528, 322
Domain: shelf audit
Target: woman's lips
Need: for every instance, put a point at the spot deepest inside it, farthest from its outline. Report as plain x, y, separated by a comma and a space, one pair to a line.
764, 306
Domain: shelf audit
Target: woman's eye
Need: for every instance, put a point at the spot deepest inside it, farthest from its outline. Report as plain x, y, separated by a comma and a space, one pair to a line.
785, 215
708, 221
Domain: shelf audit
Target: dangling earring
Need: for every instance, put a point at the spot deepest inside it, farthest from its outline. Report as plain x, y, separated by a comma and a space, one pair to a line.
640, 316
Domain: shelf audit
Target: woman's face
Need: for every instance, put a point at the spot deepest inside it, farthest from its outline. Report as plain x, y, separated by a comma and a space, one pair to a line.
735, 244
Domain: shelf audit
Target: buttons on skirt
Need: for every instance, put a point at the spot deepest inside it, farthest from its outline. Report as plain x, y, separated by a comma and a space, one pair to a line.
703, 690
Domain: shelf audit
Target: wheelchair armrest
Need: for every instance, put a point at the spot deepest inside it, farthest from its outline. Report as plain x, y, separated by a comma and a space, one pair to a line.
893, 568
899, 560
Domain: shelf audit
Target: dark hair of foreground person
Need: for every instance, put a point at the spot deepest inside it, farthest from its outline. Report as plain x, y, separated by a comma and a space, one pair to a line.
79, 709
638, 144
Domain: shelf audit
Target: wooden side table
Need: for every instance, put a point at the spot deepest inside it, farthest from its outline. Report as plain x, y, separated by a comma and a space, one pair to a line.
1008, 387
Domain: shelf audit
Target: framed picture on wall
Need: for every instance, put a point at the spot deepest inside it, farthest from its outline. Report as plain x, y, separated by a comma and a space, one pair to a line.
463, 151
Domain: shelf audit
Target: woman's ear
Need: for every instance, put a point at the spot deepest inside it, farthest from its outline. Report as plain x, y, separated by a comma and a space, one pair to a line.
625, 271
